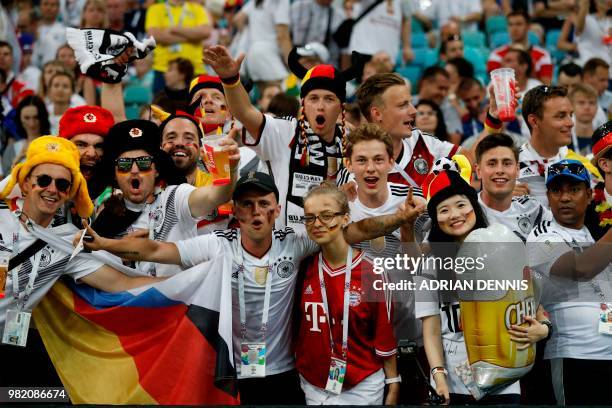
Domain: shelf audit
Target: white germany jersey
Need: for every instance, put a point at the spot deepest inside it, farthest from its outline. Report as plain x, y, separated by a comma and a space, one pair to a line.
287, 251
532, 170
431, 303
524, 213
168, 219
404, 323
573, 306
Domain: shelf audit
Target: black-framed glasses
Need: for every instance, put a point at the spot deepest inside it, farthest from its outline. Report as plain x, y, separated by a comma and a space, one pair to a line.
576, 169
325, 217
124, 164
44, 181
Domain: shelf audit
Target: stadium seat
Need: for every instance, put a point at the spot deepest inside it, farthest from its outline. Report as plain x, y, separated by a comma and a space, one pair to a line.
410, 72
418, 40
496, 24
416, 26
552, 37
425, 57
473, 39
476, 58
132, 112
137, 95
499, 39
533, 38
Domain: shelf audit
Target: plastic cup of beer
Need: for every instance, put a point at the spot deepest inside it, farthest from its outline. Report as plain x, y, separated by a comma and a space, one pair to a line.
504, 90
217, 159
4, 262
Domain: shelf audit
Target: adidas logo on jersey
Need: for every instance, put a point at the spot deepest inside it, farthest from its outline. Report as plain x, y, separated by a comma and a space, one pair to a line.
308, 290
527, 171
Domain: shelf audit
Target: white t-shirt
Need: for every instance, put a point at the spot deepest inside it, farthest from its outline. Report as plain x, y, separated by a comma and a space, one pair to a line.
444, 10
52, 262
524, 213
404, 323
590, 41
50, 38
287, 251
532, 170
573, 306
380, 29
429, 303
169, 219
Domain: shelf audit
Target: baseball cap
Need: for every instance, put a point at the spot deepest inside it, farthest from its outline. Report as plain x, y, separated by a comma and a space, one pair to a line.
258, 180
314, 49
570, 169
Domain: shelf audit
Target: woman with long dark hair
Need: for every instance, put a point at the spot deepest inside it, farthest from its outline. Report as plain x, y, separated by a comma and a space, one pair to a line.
32, 120
455, 212
345, 352
429, 118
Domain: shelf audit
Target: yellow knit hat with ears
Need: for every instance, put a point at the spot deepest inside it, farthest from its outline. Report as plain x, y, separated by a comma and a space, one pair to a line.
54, 150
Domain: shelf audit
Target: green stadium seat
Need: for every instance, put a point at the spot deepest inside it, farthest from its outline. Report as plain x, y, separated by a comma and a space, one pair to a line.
473, 39
499, 39
496, 24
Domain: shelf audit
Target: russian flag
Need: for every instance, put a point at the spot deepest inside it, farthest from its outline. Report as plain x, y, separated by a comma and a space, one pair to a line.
168, 343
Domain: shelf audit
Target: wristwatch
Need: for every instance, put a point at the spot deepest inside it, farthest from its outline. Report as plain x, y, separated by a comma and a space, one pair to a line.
550, 327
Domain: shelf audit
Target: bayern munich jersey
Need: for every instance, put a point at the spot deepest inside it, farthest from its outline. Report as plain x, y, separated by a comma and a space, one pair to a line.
370, 333
284, 257
524, 213
419, 152
432, 303
573, 306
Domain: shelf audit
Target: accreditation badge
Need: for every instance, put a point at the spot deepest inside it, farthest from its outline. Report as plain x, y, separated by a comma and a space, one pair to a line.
253, 360
335, 379
605, 319
16, 328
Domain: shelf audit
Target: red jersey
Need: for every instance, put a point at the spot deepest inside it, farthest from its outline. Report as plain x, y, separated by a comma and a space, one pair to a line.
370, 332
542, 63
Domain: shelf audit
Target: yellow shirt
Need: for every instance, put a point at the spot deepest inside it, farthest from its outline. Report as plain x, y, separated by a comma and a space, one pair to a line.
202, 179
193, 15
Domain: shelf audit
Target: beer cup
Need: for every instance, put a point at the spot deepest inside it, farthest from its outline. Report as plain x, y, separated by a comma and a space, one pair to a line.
217, 159
504, 90
4, 261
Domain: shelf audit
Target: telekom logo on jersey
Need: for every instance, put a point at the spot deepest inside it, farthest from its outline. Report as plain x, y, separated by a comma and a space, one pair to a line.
315, 313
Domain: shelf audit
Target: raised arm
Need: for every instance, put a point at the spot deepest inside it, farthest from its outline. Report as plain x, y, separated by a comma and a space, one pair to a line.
132, 248
111, 280
586, 265
583, 10
228, 69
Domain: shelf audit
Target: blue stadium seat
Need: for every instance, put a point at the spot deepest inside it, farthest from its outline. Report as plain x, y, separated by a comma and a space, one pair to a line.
533, 38
552, 37
137, 95
425, 57
411, 72
476, 58
496, 24
416, 26
499, 39
418, 40
473, 38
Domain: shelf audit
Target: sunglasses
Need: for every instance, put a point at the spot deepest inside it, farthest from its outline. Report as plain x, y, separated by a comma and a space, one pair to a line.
325, 218
564, 168
124, 164
453, 37
44, 181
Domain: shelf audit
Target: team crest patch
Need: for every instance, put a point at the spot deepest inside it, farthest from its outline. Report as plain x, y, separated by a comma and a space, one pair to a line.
525, 225
354, 298
135, 132
90, 118
421, 166
45, 258
53, 147
157, 217
284, 269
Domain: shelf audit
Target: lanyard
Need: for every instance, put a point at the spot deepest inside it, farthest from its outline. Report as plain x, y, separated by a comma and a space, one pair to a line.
268, 291
405, 175
345, 312
22, 298
171, 17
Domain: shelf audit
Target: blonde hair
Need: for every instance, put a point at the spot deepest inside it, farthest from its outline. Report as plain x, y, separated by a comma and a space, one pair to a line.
329, 188
42, 86
100, 5
582, 89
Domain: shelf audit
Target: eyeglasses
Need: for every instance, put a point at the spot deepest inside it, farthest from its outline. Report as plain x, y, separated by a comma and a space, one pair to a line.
44, 181
124, 164
325, 217
571, 168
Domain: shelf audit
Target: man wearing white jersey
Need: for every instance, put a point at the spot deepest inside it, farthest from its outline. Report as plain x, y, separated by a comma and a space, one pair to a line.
140, 169
385, 99
548, 114
497, 168
576, 289
264, 274
370, 158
